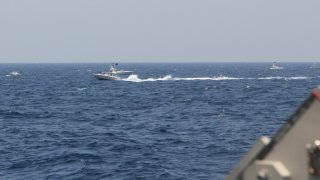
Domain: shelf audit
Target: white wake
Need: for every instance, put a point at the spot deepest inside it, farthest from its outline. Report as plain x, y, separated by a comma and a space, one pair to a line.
284, 78
135, 78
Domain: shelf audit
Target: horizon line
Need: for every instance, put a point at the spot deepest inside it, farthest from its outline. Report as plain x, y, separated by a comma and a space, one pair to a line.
160, 62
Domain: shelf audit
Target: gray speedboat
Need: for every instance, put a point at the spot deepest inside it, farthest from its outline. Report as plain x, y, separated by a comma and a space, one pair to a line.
274, 66
106, 76
112, 74
15, 73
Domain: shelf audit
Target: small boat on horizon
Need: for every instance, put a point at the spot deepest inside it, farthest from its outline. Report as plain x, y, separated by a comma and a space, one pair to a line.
274, 66
15, 73
112, 73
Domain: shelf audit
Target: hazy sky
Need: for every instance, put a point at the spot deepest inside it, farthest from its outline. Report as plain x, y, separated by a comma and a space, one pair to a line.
159, 30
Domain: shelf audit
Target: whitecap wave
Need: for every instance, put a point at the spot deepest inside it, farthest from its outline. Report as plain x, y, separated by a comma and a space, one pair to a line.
81, 89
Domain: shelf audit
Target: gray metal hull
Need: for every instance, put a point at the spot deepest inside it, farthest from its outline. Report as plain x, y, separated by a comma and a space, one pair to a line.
106, 77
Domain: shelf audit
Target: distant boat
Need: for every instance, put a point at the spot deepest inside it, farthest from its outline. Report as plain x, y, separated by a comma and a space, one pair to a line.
274, 66
315, 66
15, 73
112, 73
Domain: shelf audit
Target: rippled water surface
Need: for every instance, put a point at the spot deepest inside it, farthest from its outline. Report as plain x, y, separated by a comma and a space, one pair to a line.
167, 121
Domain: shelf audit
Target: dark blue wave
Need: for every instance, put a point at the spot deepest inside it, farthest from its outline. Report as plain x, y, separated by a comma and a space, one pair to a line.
59, 122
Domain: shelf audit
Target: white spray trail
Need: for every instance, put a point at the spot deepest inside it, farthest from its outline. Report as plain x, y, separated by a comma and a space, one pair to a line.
284, 78
135, 78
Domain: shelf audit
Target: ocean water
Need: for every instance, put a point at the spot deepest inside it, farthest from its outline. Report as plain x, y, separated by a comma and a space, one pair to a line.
167, 121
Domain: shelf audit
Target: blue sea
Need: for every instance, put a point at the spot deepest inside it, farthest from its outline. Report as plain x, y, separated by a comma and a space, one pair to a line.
167, 121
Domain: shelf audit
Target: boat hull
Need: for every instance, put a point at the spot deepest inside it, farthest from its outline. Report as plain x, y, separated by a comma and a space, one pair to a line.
106, 77
14, 74
274, 66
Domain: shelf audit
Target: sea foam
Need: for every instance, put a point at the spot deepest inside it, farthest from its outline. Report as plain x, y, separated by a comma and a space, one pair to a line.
135, 78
